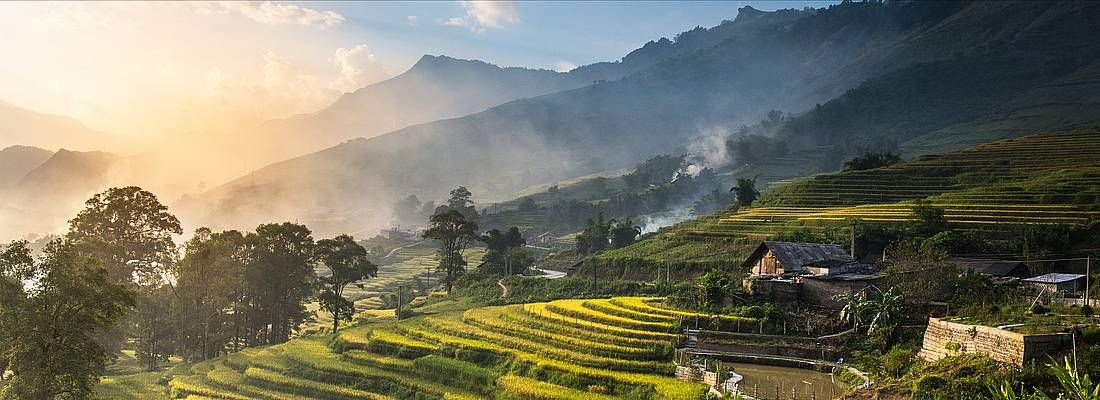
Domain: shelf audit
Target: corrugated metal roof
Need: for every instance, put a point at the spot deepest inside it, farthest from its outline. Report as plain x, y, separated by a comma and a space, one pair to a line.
1054, 277
798, 255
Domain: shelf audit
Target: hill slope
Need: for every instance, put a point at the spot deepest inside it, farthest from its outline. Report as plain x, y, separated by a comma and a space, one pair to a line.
995, 188
17, 161
25, 127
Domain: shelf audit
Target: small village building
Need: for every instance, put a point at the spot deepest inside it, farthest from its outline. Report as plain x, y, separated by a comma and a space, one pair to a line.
1058, 282
993, 267
810, 273
787, 258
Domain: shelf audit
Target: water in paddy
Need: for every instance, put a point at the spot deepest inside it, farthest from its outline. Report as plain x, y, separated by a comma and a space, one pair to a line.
806, 383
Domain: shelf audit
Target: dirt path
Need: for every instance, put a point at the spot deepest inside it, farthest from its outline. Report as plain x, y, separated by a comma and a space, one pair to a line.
503, 288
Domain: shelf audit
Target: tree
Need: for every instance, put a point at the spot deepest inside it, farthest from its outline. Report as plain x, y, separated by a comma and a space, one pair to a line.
930, 219
454, 232
209, 291
279, 277
869, 160
129, 231
407, 210
623, 233
595, 237
348, 263
500, 245
746, 191
461, 200
528, 205
921, 273
884, 311
48, 327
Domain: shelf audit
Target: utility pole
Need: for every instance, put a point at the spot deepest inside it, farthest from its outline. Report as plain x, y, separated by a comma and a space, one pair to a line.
397, 311
1088, 271
593, 280
852, 232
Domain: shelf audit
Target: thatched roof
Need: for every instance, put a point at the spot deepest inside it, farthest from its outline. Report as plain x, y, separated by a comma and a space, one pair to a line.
798, 255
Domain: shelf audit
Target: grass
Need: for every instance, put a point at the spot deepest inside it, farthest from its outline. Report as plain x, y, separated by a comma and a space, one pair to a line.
519, 351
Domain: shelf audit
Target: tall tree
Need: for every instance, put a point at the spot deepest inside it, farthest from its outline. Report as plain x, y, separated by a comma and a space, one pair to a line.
595, 237
209, 289
279, 277
461, 200
129, 231
454, 233
347, 263
746, 191
47, 328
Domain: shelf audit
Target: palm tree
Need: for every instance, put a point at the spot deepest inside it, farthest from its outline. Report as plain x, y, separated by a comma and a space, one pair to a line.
885, 311
855, 304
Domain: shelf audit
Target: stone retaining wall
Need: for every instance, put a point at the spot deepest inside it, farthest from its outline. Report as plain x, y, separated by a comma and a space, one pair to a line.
944, 338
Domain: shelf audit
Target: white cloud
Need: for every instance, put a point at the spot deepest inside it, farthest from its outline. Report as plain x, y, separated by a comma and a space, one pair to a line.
486, 14
491, 14
455, 21
411, 20
269, 13
564, 66
358, 68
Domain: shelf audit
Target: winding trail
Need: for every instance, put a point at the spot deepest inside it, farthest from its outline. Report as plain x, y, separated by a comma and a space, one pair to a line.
503, 288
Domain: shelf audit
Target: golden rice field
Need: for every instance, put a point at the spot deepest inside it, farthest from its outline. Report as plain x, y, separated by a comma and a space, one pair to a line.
1051, 178
565, 349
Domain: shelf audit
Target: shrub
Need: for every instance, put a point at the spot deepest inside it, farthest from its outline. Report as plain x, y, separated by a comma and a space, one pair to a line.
927, 386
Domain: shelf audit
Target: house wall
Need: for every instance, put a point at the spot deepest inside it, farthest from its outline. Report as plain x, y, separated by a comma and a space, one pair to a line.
821, 291
774, 290
998, 344
767, 265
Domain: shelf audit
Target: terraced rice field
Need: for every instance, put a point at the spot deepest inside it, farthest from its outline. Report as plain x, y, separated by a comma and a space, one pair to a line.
1049, 178
567, 349
408, 264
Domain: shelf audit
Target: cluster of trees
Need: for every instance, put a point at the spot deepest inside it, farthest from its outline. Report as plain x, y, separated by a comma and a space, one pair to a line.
505, 252
117, 279
600, 235
869, 160
410, 211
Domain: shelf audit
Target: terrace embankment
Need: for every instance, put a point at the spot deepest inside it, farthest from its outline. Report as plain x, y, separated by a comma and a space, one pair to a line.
944, 338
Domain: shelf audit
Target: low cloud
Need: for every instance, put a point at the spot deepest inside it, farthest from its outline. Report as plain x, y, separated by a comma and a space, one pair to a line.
269, 13
357, 67
564, 66
486, 14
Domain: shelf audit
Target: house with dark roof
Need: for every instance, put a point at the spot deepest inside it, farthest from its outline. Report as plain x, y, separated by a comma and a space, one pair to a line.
807, 273
993, 267
785, 258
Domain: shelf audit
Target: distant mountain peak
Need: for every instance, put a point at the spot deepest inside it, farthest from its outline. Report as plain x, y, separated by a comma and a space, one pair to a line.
434, 63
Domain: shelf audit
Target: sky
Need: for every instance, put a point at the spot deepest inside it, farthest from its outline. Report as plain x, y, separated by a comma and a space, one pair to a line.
145, 70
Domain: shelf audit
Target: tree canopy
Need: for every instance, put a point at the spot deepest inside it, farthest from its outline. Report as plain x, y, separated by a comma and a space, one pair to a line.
347, 263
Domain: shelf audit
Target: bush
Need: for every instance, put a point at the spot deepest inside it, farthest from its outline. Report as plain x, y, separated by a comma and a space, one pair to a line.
1086, 310
1039, 309
927, 386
